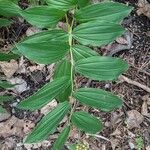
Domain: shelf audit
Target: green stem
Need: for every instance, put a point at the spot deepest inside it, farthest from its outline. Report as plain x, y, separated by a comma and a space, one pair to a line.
70, 27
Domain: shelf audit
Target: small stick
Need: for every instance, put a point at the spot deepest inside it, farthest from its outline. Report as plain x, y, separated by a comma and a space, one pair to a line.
123, 78
99, 136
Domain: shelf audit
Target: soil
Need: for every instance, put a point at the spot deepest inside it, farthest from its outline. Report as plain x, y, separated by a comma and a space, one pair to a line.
117, 135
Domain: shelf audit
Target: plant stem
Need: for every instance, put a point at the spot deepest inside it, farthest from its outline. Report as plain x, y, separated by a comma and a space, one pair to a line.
70, 40
70, 50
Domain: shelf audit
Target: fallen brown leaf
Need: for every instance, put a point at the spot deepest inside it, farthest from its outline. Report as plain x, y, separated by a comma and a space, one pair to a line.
144, 8
4, 116
134, 119
9, 68
15, 126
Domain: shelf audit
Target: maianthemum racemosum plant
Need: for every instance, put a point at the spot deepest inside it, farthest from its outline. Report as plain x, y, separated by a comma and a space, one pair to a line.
88, 25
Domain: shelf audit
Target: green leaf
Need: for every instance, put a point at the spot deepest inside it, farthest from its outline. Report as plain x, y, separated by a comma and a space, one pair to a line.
5, 98
61, 139
45, 36
7, 57
44, 52
9, 9
48, 123
62, 4
2, 110
4, 22
83, 3
80, 52
86, 122
63, 69
98, 98
5, 84
97, 33
101, 68
113, 12
46, 94
43, 16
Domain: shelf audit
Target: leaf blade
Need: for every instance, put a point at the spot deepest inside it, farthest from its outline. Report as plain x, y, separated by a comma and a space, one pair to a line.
80, 52
9, 9
5, 84
97, 33
48, 123
61, 139
63, 69
7, 57
86, 122
5, 98
44, 52
45, 36
101, 68
98, 98
110, 11
62, 4
45, 94
4, 22
43, 16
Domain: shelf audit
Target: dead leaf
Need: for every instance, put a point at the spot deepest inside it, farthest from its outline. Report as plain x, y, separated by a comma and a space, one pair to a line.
47, 108
116, 132
114, 143
144, 8
36, 67
20, 86
9, 68
45, 144
13, 126
134, 119
32, 30
4, 116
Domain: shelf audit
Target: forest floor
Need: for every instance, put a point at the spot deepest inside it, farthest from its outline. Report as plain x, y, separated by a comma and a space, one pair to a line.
127, 128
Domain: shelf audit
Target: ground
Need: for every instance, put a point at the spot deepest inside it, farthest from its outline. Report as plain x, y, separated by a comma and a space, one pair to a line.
126, 128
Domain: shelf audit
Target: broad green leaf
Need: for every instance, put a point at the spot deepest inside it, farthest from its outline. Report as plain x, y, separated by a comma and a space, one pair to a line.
113, 12
83, 3
5, 84
43, 16
62, 4
9, 9
7, 57
48, 123
98, 98
44, 52
86, 122
45, 36
5, 98
101, 68
80, 52
4, 22
97, 33
61, 139
46, 94
2, 110
63, 68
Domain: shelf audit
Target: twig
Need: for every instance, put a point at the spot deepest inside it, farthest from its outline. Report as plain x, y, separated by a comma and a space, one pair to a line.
99, 136
140, 70
144, 87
